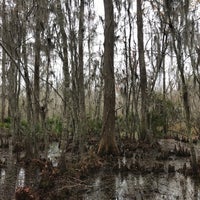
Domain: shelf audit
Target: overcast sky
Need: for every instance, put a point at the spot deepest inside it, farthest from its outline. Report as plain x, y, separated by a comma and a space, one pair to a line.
99, 7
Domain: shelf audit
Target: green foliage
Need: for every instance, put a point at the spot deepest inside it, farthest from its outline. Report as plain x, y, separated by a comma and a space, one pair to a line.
7, 120
121, 124
94, 126
161, 113
5, 123
55, 125
24, 123
126, 126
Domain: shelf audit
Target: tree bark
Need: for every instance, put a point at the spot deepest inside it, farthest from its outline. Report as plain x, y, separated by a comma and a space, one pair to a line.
37, 65
108, 143
74, 73
66, 85
3, 87
81, 89
143, 76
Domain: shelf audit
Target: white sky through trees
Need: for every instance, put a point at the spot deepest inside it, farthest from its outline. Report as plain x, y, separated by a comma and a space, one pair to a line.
99, 7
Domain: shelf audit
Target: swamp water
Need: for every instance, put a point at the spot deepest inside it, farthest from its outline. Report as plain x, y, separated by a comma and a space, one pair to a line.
14, 176
104, 185
140, 187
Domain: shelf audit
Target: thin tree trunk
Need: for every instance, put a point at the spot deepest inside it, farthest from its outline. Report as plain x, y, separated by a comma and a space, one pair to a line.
29, 102
98, 92
89, 59
3, 87
180, 65
66, 90
177, 42
44, 107
74, 75
37, 65
82, 115
126, 89
143, 76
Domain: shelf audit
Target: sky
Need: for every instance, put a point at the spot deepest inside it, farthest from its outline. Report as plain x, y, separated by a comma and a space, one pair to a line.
99, 7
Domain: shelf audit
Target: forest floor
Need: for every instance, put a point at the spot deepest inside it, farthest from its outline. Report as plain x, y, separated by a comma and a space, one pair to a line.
165, 156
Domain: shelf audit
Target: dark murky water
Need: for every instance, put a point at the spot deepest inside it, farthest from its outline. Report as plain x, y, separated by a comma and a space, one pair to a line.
105, 186
14, 176
140, 187
125, 186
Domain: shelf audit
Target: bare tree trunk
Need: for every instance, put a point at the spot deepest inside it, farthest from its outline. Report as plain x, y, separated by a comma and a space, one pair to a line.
3, 87
13, 73
81, 89
29, 103
28, 88
126, 74
108, 143
165, 125
132, 75
37, 64
143, 76
98, 92
89, 41
178, 37
180, 64
12, 81
74, 73
39, 27
66, 85
44, 107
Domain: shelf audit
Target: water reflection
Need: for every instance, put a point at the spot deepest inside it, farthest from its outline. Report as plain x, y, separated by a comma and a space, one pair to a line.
121, 186
21, 178
3, 176
103, 188
110, 185
149, 187
54, 153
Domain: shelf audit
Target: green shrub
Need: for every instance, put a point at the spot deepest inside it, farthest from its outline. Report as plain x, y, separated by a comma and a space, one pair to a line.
58, 126
24, 123
7, 120
161, 113
94, 126
54, 124
5, 123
